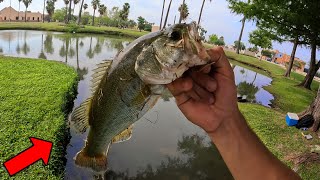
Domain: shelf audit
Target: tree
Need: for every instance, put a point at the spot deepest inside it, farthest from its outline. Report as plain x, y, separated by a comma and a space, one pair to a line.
102, 10
314, 110
85, 6
50, 8
19, 8
75, 2
253, 49
202, 10
267, 53
164, 2
184, 12
44, 7
80, 11
234, 7
95, 4
166, 19
141, 23
66, 2
242, 46
213, 39
260, 38
69, 14
26, 3
124, 13
59, 15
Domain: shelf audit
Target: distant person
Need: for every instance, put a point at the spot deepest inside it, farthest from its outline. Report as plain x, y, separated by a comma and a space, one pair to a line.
209, 100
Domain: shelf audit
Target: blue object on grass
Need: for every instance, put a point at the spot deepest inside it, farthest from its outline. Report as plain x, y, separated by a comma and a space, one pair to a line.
292, 119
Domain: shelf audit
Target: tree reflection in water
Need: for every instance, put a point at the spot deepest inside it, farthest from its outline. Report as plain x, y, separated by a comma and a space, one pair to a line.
48, 46
42, 55
84, 71
248, 89
203, 162
25, 46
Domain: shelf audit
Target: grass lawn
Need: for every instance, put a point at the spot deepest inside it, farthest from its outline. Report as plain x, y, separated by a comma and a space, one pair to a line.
283, 141
288, 96
35, 98
60, 27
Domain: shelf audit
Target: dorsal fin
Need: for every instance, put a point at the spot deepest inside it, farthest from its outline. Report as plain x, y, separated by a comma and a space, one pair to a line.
81, 115
100, 72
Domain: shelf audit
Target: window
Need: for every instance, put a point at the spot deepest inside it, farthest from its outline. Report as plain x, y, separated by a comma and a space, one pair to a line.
33, 18
22, 18
17, 18
5, 18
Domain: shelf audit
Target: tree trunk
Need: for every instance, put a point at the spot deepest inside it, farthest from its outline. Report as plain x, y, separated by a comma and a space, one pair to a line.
165, 22
25, 15
313, 67
80, 13
94, 12
164, 2
201, 11
181, 12
44, 6
66, 18
314, 110
240, 36
19, 12
293, 54
69, 15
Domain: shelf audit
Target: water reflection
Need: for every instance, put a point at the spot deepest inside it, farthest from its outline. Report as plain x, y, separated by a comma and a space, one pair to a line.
163, 144
250, 85
194, 165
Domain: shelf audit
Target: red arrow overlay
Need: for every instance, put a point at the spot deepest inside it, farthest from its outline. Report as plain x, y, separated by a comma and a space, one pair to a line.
40, 149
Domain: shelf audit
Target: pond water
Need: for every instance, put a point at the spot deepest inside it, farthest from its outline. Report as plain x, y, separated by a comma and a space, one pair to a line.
163, 145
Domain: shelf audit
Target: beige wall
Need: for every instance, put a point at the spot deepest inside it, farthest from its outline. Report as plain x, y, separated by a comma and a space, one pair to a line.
6, 15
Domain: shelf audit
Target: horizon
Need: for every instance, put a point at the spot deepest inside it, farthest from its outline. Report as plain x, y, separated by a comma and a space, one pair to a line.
227, 24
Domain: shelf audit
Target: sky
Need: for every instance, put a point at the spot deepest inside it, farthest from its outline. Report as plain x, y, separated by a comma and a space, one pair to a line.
216, 19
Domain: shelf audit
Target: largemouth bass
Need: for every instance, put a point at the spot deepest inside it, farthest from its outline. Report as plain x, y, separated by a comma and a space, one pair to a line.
126, 88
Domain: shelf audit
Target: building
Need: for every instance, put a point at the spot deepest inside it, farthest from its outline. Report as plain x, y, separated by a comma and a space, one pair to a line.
155, 28
9, 14
282, 58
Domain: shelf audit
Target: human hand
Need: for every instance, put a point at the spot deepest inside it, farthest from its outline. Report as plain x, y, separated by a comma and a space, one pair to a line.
208, 98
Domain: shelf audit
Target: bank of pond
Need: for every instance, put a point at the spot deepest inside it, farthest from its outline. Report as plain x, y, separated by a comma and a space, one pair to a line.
162, 144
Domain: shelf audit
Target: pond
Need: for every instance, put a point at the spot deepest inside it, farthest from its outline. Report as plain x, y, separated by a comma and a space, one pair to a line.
163, 143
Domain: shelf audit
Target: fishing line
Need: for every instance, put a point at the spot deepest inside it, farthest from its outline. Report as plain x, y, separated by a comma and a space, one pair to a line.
152, 121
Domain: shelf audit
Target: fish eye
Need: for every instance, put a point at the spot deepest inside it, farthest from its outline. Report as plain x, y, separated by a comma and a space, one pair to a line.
175, 35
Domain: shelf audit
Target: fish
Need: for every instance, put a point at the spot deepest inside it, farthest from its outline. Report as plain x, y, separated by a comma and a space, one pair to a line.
124, 89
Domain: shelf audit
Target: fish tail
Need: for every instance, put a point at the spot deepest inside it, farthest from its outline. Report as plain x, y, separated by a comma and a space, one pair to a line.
97, 163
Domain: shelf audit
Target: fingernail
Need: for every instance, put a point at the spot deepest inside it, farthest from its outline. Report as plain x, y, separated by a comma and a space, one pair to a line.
211, 87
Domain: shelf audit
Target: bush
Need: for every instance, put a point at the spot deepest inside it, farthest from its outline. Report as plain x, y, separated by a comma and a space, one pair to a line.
148, 27
73, 27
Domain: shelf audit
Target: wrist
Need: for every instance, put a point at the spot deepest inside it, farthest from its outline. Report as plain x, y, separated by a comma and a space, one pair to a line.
230, 126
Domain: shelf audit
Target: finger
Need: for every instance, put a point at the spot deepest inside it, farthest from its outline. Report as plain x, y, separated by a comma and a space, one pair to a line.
194, 95
222, 65
180, 86
204, 95
205, 81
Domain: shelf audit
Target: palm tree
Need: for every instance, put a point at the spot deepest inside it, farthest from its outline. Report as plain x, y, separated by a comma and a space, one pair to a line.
69, 15
44, 7
75, 2
85, 6
19, 9
164, 2
95, 4
184, 11
50, 8
243, 21
80, 12
202, 10
26, 3
165, 21
102, 10
66, 2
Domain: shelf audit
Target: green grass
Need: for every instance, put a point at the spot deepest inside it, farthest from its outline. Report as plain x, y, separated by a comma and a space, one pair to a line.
60, 27
35, 96
282, 140
288, 96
